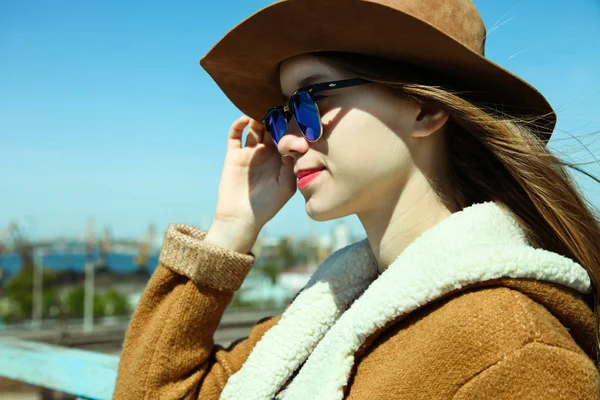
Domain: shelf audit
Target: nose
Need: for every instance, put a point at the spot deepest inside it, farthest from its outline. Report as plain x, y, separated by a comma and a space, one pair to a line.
292, 142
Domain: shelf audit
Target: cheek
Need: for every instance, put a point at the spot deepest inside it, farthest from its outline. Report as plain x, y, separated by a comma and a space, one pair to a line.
360, 140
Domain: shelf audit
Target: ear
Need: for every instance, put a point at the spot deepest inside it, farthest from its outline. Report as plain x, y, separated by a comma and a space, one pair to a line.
429, 120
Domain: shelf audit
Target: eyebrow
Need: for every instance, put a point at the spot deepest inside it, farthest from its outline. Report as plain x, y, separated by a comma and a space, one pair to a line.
309, 80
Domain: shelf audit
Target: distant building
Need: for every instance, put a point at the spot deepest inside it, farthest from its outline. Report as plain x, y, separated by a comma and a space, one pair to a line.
266, 247
259, 289
294, 280
342, 236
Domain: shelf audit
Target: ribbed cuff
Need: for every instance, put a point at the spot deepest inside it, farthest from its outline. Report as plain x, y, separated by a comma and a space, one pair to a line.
185, 252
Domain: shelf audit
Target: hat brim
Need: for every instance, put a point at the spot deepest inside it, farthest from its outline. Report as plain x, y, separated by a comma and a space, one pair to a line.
244, 63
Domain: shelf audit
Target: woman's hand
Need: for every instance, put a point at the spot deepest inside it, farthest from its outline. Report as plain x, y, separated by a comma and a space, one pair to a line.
256, 182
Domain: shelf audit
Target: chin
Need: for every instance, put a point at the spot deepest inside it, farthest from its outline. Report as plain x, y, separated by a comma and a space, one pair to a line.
322, 212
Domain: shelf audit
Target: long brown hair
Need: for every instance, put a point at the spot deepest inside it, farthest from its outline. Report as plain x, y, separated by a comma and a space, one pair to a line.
497, 157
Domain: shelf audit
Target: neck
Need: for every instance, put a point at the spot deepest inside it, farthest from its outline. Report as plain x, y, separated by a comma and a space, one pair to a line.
392, 226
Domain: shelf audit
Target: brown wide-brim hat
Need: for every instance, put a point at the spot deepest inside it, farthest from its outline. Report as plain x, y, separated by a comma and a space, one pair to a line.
446, 37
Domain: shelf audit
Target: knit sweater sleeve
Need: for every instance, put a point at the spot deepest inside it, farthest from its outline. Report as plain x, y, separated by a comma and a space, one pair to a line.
168, 352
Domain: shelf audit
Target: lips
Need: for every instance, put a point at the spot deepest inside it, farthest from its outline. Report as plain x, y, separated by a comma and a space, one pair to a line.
303, 172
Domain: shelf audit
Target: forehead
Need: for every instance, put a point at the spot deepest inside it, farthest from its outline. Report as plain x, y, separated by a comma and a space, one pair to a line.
296, 71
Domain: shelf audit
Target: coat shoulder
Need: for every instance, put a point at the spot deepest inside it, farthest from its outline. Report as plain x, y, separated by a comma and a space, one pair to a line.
504, 317
443, 345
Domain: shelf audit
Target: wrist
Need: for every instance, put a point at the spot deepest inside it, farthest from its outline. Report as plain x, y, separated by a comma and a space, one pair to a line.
232, 235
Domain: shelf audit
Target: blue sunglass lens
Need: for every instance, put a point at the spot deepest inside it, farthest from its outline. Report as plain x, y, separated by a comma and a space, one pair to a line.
307, 116
276, 125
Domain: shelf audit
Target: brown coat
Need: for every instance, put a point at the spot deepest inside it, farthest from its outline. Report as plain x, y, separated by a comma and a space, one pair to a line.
500, 338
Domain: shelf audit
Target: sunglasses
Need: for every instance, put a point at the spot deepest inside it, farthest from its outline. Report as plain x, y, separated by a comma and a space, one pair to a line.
303, 106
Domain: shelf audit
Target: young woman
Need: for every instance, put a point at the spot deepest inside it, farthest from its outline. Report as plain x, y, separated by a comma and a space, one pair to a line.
481, 265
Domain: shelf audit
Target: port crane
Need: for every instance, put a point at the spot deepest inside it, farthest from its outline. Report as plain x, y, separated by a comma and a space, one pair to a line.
24, 249
145, 248
105, 248
19, 244
89, 269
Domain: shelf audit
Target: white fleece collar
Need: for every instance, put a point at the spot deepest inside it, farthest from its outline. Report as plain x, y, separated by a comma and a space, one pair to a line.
345, 302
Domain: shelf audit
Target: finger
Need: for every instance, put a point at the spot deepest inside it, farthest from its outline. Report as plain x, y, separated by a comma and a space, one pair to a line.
234, 138
288, 161
254, 133
267, 139
287, 177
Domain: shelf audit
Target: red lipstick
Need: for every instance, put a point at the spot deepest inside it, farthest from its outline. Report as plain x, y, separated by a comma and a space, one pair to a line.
305, 177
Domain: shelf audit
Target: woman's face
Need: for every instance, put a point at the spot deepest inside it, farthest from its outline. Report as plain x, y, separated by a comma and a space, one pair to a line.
366, 146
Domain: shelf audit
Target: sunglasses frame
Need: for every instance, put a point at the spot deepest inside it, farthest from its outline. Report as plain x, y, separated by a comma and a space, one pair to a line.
312, 90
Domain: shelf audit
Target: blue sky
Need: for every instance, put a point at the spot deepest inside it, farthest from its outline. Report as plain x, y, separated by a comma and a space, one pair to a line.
106, 113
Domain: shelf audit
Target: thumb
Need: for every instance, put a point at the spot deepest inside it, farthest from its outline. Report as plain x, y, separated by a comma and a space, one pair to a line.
287, 171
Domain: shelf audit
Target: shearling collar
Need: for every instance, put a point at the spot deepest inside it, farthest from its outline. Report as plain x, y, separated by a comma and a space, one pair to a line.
345, 301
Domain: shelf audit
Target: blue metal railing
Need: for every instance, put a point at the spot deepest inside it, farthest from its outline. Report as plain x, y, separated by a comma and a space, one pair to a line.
83, 373
86, 374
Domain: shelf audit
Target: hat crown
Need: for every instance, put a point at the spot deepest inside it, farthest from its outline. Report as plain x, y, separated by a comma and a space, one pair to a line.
446, 37
459, 19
